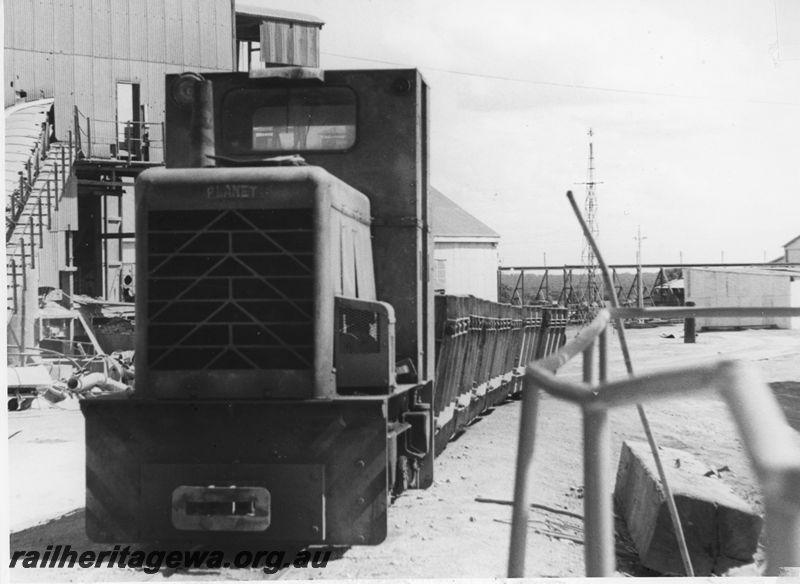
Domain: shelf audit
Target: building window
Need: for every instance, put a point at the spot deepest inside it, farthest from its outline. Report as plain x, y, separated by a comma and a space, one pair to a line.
249, 56
129, 120
441, 274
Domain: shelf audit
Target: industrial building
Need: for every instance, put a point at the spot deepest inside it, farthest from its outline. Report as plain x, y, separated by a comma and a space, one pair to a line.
84, 99
84, 114
773, 284
791, 251
85, 103
744, 287
104, 62
465, 250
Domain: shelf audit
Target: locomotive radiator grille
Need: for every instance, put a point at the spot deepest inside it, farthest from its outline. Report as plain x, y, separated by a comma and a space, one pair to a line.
230, 289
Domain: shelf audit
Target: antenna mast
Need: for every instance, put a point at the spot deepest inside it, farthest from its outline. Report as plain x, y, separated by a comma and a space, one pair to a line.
594, 295
639, 281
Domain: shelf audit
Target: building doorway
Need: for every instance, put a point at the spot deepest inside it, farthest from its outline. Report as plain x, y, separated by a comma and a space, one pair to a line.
129, 120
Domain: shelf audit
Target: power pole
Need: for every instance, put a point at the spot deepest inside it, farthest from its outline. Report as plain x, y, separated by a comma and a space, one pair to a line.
594, 295
546, 280
640, 286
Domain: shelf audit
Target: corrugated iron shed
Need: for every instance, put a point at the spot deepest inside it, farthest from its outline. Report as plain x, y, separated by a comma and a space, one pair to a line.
78, 50
249, 18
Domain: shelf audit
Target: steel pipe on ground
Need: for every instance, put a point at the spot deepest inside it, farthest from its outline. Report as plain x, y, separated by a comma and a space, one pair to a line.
92, 380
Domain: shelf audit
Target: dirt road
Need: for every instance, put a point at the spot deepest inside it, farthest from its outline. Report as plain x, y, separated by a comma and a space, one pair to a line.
442, 532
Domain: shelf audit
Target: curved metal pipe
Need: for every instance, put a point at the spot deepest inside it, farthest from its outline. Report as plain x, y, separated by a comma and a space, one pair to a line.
92, 380
623, 344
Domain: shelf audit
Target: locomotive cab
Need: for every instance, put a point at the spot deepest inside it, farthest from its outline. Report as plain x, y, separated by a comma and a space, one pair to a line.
283, 263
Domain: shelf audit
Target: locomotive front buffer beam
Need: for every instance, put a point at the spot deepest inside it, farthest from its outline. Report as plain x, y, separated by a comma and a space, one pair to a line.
302, 472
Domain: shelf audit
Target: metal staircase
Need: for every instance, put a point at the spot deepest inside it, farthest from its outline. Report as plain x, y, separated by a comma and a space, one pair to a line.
32, 215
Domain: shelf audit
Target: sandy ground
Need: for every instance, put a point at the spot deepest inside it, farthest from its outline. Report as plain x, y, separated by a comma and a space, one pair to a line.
442, 532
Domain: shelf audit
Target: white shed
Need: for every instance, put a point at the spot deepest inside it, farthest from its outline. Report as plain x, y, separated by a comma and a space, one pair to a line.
464, 250
744, 287
791, 251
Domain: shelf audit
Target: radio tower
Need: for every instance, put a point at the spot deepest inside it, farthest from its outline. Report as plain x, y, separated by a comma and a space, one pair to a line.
593, 296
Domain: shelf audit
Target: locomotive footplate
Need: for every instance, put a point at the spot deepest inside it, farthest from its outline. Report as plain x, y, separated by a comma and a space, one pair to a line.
249, 472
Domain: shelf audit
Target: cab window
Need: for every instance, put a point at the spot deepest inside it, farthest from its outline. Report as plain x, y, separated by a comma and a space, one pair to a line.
289, 120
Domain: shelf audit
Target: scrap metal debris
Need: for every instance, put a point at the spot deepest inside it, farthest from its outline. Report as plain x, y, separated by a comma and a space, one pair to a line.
80, 352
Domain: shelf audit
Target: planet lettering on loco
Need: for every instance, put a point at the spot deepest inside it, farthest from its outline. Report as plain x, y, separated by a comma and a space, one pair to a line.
235, 192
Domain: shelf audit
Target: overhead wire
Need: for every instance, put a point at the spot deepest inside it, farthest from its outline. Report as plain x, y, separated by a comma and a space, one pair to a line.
561, 85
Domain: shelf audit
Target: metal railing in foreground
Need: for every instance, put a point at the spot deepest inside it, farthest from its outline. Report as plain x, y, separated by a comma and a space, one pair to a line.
772, 445
671, 312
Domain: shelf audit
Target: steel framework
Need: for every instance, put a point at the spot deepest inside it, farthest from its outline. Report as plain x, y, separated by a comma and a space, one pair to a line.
593, 296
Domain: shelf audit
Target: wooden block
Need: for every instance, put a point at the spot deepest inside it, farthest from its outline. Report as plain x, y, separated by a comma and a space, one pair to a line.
721, 529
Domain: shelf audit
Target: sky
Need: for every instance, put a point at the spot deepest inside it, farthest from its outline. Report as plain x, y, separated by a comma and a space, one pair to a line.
694, 108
